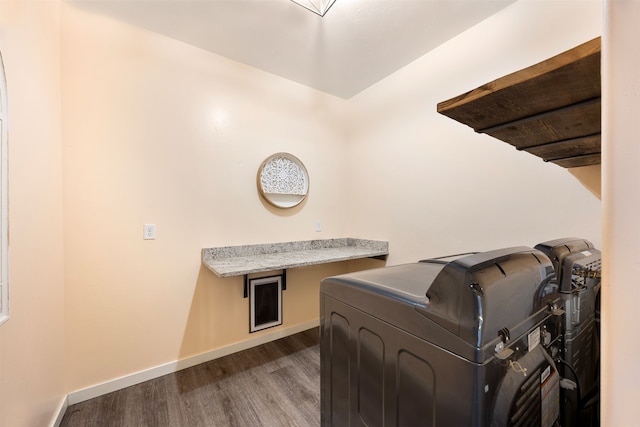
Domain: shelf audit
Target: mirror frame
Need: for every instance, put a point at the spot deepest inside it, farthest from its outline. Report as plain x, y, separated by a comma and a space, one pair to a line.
283, 180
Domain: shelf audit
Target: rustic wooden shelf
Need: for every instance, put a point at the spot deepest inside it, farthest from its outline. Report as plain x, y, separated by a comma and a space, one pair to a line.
551, 109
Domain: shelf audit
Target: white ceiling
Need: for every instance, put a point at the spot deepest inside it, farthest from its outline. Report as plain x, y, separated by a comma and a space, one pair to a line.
356, 44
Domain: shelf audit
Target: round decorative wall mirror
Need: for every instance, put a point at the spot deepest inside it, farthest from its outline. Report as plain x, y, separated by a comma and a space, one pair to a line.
283, 180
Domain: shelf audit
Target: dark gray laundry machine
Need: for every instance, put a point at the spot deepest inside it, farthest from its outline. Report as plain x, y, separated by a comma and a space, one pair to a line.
578, 268
456, 341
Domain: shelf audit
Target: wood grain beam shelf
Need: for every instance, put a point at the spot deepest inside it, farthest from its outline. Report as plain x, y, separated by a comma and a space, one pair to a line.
551, 109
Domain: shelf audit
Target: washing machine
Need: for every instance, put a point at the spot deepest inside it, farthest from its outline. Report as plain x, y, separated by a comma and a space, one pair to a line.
466, 340
578, 269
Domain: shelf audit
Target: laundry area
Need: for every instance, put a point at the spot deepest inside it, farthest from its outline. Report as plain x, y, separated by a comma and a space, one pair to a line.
499, 338
435, 201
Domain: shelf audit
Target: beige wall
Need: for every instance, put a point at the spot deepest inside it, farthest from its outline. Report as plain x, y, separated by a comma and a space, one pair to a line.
32, 377
621, 201
435, 186
155, 131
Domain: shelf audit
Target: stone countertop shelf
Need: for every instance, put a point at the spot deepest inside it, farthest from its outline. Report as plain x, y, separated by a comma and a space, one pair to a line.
231, 261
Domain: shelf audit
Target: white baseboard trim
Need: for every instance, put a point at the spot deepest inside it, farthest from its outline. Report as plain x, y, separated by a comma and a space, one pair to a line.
168, 368
62, 409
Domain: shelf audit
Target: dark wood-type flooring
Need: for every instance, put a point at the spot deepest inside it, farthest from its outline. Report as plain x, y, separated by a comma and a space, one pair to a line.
274, 384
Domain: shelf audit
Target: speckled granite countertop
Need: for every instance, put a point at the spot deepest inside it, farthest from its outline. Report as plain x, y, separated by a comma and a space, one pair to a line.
230, 261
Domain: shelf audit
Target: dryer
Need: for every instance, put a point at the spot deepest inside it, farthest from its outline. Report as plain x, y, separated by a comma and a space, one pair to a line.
464, 340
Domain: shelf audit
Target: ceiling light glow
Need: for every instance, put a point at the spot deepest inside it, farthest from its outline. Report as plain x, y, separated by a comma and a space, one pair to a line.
319, 7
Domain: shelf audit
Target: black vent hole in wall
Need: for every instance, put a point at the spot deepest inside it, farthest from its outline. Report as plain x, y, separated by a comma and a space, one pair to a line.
266, 303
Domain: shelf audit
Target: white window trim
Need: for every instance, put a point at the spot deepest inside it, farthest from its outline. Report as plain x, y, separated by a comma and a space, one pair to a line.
4, 209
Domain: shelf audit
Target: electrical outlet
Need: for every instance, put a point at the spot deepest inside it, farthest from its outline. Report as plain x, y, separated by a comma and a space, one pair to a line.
149, 232
318, 226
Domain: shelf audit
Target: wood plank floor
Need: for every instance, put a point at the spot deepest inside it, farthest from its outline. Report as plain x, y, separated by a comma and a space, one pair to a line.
275, 384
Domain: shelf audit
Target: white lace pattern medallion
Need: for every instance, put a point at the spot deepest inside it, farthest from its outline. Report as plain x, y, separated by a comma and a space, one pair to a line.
283, 180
